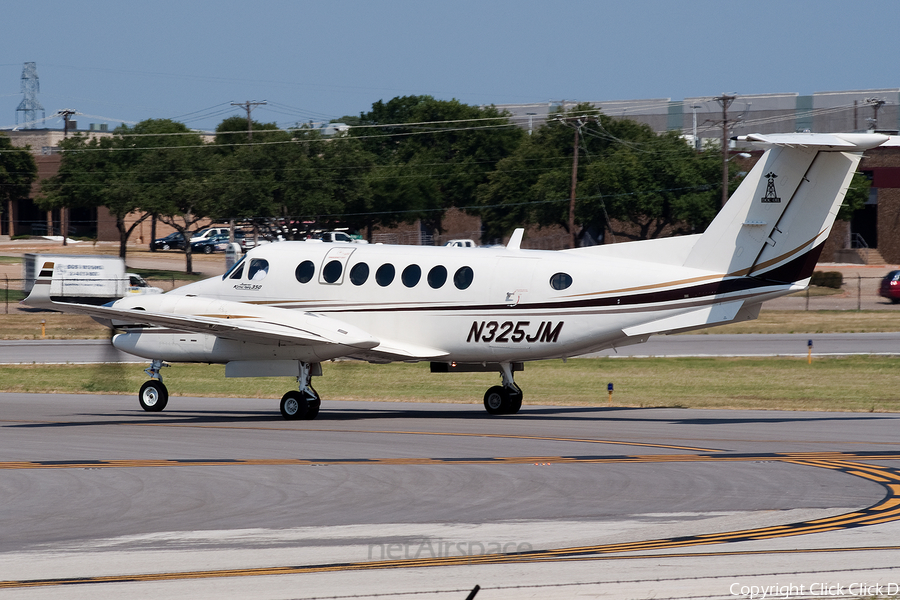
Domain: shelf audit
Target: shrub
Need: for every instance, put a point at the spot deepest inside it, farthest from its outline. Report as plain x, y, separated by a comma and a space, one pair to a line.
832, 279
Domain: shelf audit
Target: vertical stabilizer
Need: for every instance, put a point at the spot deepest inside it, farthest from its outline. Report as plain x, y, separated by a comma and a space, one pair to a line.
775, 223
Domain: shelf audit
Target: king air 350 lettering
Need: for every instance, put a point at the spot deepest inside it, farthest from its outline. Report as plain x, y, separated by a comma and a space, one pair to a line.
515, 332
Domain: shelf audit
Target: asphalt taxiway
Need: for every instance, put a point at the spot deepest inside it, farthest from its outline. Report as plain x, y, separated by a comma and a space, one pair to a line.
223, 498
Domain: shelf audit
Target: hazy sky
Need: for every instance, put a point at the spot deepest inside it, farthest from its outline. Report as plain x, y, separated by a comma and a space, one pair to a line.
123, 60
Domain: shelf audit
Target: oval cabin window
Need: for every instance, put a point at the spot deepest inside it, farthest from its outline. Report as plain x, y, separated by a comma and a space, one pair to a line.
463, 277
385, 274
411, 275
305, 271
332, 271
359, 273
560, 281
437, 276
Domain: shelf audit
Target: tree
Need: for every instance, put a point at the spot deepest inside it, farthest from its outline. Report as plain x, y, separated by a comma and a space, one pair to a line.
856, 198
171, 175
431, 154
625, 172
660, 187
97, 172
17, 172
328, 180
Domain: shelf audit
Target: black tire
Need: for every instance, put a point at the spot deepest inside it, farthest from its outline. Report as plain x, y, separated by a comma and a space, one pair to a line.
207, 249
312, 409
293, 405
165, 247
312, 403
496, 400
514, 403
153, 396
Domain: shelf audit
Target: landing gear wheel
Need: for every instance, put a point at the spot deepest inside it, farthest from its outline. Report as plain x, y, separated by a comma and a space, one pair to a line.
514, 403
153, 396
312, 405
294, 406
495, 400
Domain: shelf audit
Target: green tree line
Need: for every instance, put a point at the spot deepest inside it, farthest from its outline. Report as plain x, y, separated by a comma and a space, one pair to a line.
407, 159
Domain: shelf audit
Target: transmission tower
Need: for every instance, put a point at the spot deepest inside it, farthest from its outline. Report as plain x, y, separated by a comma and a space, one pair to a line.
29, 105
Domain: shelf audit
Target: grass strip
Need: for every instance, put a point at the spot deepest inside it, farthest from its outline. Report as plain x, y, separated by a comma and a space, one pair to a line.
858, 383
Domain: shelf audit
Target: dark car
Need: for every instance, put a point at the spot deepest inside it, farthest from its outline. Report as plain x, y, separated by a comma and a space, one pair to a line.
890, 287
215, 243
173, 241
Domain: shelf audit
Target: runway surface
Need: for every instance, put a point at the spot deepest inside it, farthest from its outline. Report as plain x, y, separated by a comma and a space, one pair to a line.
824, 344
224, 499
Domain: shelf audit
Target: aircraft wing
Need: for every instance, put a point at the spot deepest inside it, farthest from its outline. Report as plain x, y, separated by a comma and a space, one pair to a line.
224, 319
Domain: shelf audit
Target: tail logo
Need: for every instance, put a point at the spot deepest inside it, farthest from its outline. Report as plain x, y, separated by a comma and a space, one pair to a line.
770, 196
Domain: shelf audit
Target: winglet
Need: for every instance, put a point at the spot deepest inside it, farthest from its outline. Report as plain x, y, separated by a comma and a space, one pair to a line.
40, 291
515, 240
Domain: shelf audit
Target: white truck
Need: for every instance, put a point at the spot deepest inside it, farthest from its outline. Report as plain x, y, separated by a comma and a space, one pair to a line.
85, 279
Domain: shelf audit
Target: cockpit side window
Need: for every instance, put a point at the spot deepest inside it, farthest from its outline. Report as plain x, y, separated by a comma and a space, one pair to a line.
236, 271
259, 268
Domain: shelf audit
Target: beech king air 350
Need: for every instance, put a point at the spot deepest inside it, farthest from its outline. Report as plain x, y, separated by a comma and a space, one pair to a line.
286, 307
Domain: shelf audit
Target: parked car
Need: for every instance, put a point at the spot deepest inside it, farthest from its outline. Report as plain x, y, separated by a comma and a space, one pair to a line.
890, 287
340, 236
208, 245
173, 241
461, 243
208, 233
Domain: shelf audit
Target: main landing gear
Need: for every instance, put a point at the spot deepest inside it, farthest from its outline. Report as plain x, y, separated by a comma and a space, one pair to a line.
303, 403
297, 404
504, 399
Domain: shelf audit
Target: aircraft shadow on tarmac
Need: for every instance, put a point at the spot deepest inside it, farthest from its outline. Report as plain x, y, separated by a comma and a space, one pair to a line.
579, 414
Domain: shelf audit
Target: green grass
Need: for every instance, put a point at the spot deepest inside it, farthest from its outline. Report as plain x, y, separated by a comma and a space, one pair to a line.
10, 260
859, 383
149, 274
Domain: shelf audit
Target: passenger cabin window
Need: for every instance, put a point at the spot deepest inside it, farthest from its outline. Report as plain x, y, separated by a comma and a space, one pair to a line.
359, 273
305, 271
560, 281
411, 275
259, 268
385, 275
437, 276
332, 271
463, 277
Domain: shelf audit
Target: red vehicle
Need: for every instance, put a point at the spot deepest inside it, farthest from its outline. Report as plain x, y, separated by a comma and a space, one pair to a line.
890, 287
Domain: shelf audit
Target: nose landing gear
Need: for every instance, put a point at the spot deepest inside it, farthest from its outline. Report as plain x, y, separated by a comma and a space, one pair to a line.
154, 395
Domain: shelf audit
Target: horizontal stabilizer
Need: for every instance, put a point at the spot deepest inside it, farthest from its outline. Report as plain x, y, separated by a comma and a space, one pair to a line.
822, 142
715, 314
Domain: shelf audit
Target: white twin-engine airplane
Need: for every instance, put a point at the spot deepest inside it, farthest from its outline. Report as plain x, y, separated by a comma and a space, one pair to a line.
286, 307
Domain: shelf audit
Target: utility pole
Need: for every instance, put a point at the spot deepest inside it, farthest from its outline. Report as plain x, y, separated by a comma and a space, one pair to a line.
249, 106
579, 123
875, 103
725, 101
574, 182
63, 211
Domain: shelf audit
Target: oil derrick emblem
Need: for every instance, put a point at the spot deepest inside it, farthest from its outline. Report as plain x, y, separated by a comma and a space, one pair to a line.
770, 189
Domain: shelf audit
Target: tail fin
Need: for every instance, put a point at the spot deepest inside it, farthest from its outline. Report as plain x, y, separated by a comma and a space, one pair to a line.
776, 222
